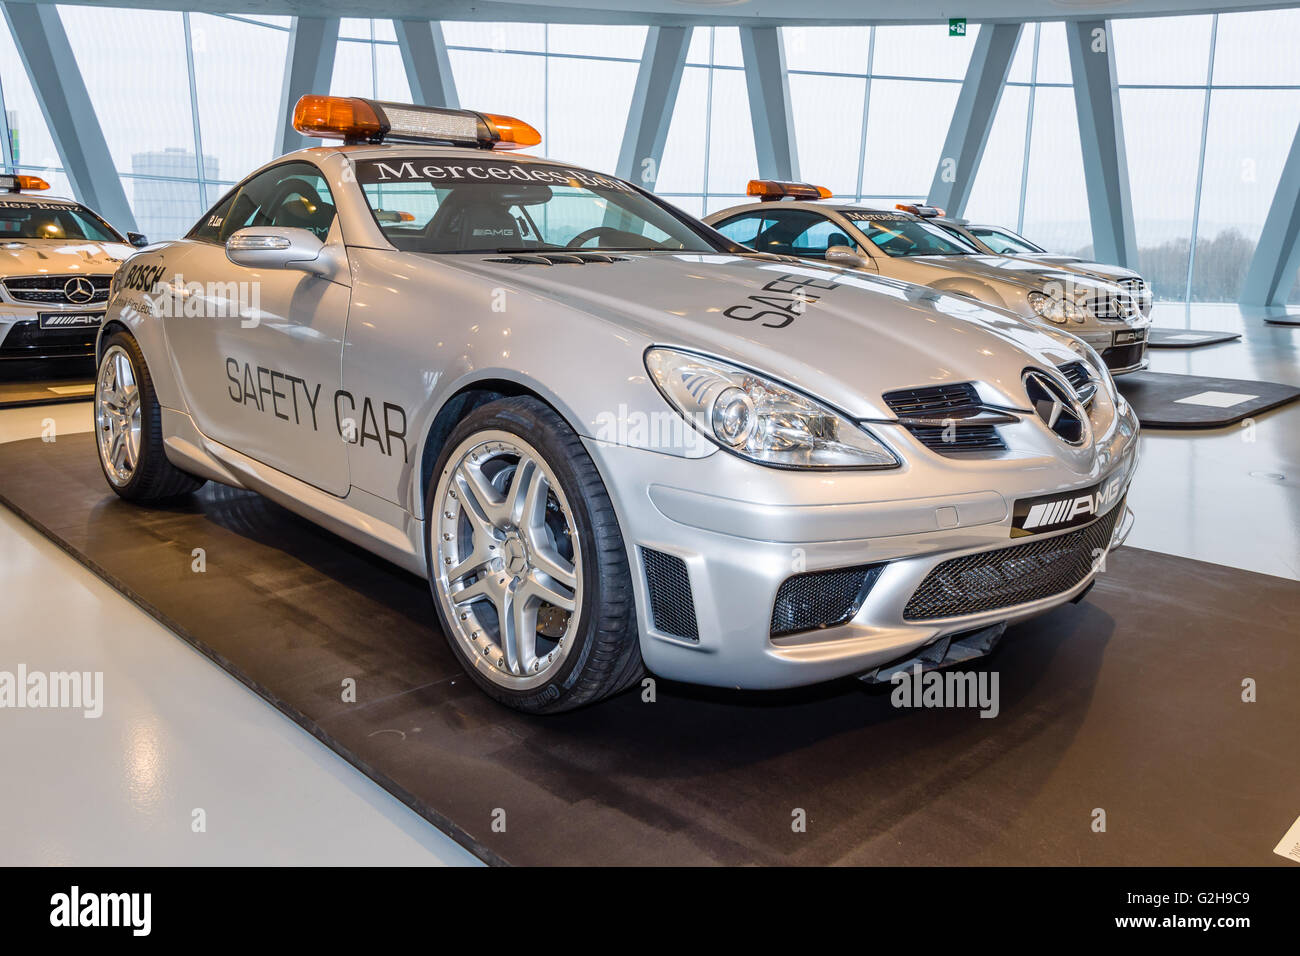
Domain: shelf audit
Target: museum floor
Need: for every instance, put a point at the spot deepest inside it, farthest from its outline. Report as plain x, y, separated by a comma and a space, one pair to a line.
182, 734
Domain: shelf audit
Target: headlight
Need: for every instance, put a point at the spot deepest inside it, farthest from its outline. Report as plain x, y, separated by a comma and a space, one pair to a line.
759, 419
1058, 309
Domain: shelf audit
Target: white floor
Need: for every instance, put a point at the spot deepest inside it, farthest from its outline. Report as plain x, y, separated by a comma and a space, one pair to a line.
178, 734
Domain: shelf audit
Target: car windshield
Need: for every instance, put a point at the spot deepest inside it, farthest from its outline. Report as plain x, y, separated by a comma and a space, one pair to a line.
1005, 242
38, 219
897, 234
450, 205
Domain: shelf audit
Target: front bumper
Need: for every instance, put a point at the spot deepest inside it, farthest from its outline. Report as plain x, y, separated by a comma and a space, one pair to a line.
23, 339
1123, 349
738, 531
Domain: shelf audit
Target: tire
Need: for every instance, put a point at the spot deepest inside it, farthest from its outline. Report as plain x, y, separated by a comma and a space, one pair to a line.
150, 476
513, 496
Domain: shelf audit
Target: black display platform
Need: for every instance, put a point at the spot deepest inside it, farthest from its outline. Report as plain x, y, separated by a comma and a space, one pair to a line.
1165, 400
51, 382
1129, 702
1159, 338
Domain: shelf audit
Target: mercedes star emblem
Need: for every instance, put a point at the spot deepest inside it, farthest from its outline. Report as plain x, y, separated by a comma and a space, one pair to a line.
1058, 409
79, 290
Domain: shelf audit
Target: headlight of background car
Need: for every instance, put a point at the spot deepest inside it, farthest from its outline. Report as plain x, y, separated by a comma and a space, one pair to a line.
759, 419
1058, 309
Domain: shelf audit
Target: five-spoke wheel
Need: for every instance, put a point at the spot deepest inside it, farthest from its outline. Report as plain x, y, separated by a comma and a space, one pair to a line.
117, 415
508, 559
526, 560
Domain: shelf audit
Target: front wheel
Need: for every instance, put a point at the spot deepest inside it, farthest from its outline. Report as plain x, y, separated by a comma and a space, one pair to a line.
527, 563
128, 427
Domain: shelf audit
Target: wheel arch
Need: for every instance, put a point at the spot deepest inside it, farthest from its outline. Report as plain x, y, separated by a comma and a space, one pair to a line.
467, 397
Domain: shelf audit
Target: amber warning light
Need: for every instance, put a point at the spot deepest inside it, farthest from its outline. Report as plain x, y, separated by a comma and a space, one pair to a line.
15, 184
356, 120
772, 189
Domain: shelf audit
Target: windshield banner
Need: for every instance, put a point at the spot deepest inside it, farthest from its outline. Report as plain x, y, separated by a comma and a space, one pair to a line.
450, 171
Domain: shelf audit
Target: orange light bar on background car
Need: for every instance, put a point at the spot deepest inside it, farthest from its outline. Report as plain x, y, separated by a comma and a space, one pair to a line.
769, 190
357, 120
925, 212
18, 183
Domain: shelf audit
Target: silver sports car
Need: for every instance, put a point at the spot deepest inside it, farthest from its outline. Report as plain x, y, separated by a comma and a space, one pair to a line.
794, 219
610, 438
1001, 241
56, 260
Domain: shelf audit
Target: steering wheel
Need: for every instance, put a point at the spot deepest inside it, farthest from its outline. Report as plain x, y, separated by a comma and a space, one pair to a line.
595, 232
288, 188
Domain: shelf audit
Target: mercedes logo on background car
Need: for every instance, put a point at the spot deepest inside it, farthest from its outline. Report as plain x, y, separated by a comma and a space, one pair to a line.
1056, 407
79, 290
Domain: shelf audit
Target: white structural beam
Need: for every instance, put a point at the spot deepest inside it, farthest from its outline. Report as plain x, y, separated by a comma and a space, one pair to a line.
768, 84
78, 137
308, 68
972, 118
1101, 134
1273, 267
428, 70
653, 99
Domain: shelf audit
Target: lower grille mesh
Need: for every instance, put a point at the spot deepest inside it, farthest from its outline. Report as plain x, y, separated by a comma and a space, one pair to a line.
1005, 577
672, 605
1123, 356
807, 602
28, 340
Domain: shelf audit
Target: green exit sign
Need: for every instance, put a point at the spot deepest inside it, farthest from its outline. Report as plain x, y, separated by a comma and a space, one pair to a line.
956, 26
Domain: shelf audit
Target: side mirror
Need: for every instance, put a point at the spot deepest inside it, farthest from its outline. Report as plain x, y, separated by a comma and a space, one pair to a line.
137, 239
277, 247
849, 258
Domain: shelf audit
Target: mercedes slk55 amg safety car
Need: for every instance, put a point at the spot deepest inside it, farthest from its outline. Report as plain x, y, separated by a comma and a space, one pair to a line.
609, 437
1001, 241
794, 219
56, 260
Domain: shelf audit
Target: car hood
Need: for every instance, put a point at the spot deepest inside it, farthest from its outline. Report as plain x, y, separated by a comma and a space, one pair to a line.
36, 256
1075, 264
857, 336
1027, 273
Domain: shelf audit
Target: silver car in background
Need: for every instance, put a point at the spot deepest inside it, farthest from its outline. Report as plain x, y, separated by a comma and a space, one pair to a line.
1001, 241
56, 261
795, 219
610, 438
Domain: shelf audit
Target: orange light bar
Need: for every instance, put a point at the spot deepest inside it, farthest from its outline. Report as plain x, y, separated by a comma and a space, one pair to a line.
925, 212
348, 118
17, 183
772, 189
357, 120
511, 133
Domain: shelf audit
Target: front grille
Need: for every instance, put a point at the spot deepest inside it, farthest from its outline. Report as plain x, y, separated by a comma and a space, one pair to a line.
672, 605
1112, 308
27, 340
1006, 577
1123, 356
941, 418
48, 290
1076, 373
959, 438
808, 602
932, 400
1134, 287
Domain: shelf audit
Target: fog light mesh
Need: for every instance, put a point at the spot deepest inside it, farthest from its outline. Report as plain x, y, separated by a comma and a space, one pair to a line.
818, 599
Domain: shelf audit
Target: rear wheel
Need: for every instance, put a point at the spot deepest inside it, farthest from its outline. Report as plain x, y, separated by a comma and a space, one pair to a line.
527, 563
128, 427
